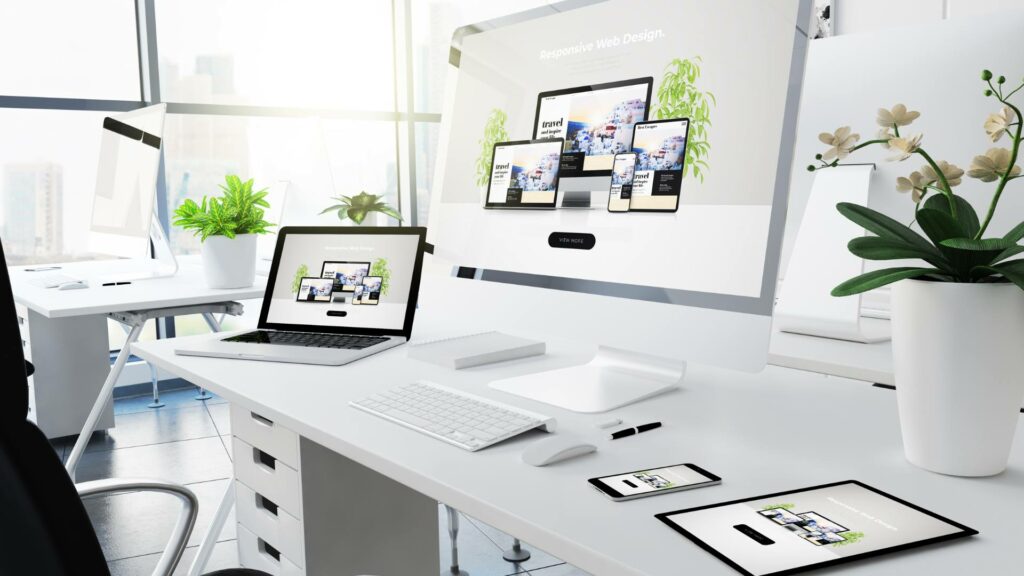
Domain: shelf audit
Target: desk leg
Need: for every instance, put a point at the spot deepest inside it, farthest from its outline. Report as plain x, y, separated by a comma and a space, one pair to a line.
210, 538
106, 395
214, 325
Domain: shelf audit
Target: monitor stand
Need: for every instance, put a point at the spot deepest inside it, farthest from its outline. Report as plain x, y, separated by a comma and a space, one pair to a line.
612, 379
162, 265
576, 199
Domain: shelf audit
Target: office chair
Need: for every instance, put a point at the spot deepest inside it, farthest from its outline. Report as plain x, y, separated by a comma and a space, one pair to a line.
45, 529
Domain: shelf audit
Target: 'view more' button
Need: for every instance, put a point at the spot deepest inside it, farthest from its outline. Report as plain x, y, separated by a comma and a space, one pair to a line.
573, 240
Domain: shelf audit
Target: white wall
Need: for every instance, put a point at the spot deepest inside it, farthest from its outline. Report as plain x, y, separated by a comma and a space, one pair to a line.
858, 16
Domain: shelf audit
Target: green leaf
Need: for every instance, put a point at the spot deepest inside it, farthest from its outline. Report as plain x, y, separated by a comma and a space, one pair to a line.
878, 278
1008, 253
938, 225
1016, 234
966, 254
357, 215
876, 248
966, 217
883, 226
1013, 271
984, 245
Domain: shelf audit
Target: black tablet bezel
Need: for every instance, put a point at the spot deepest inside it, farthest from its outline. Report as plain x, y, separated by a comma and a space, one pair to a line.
503, 205
964, 530
414, 285
649, 80
608, 491
686, 140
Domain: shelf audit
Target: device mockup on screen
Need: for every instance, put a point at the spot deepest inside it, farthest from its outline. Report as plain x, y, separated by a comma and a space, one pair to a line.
799, 530
596, 121
642, 483
296, 298
623, 170
346, 275
660, 148
524, 174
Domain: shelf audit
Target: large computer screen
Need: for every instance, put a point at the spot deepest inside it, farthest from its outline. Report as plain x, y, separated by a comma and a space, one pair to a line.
720, 82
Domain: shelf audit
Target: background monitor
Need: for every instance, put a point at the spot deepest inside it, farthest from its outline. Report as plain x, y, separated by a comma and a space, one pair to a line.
697, 284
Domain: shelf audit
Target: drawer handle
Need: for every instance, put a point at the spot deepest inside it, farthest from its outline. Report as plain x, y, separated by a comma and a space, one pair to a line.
262, 420
264, 503
264, 459
269, 550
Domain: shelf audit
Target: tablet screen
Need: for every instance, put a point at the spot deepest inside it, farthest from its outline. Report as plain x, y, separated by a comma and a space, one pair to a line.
660, 149
791, 532
524, 174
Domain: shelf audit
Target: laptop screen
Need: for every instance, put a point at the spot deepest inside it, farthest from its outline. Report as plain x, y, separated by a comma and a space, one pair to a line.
343, 281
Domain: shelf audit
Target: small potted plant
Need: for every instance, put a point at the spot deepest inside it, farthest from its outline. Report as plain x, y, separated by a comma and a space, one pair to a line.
228, 227
356, 208
958, 319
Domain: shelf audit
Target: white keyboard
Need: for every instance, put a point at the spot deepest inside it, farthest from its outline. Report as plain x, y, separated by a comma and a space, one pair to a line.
468, 421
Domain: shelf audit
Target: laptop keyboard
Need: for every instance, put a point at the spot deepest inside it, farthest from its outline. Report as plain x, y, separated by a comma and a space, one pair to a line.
308, 340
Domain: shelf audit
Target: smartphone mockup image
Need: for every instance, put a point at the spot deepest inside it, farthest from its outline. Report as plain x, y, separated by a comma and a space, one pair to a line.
621, 189
640, 483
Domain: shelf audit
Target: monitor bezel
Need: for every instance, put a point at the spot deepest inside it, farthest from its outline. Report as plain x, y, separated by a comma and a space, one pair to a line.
761, 305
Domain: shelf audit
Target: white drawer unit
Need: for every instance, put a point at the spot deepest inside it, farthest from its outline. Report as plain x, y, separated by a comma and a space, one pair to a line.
258, 554
269, 521
265, 434
265, 474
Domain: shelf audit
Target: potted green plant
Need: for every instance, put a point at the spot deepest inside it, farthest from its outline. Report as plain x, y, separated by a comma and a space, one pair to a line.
228, 227
356, 208
957, 319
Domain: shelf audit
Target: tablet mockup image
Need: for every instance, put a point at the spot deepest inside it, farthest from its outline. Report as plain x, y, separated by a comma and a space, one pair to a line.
524, 174
313, 289
791, 532
372, 286
660, 148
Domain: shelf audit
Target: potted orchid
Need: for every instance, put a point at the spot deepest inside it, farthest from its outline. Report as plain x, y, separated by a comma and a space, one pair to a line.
958, 316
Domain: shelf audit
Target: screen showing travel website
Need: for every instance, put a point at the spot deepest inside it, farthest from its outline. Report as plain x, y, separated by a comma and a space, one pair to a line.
653, 480
622, 183
525, 174
699, 213
596, 124
660, 150
804, 528
344, 280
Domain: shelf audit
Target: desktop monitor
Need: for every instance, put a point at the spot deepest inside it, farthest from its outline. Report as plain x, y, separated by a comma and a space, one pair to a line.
650, 289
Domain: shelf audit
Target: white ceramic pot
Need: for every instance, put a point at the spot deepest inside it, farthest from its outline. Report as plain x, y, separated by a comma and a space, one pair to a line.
958, 358
230, 262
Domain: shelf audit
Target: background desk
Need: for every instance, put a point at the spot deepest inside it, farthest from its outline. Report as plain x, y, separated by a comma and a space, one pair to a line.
778, 430
65, 332
870, 362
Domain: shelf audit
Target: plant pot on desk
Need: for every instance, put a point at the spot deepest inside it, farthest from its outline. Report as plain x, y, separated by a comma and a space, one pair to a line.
230, 262
958, 358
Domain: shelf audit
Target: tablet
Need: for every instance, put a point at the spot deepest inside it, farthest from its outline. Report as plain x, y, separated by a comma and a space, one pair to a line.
800, 530
314, 289
371, 290
524, 174
660, 148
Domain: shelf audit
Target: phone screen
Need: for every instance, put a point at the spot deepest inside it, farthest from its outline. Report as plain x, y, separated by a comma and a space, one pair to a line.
644, 482
622, 182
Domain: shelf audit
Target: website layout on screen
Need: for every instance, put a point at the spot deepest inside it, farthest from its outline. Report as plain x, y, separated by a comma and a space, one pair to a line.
524, 174
344, 280
622, 183
589, 75
810, 527
653, 480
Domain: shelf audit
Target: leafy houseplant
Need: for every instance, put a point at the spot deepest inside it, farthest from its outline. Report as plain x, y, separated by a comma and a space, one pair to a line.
301, 272
958, 319
355, 208
380, 268
678, 97
228, 227
494, 132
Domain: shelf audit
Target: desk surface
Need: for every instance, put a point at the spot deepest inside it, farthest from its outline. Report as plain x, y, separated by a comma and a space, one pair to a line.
870, 362
735, 425
185, 288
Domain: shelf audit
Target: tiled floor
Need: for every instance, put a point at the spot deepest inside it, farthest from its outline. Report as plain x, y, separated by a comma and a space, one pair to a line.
187, 442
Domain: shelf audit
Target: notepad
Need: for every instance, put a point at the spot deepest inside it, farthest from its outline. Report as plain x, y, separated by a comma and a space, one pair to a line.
475, 349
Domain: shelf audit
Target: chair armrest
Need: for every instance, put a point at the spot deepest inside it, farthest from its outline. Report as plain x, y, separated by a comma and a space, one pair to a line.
186, 518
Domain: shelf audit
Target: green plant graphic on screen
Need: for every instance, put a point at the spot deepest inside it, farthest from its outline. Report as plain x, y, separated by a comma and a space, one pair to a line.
679, 97
850, 538
300, 273
785, 506
380, 268
494, 131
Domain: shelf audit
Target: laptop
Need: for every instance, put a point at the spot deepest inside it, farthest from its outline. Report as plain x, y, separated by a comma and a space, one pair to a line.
303, 322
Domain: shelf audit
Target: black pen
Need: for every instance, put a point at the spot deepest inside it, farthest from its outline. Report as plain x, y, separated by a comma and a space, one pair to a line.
632, 431
116, 283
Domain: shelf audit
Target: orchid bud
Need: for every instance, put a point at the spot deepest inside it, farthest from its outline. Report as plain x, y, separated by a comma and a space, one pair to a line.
1001, 80
988, 92
817, 156
986, 75
810, 168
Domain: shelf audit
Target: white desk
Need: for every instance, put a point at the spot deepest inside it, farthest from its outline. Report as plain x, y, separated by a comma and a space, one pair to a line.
762, 433
870, 362
65, 334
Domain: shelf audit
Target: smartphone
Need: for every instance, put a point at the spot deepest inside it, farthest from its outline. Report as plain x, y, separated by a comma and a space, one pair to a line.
622, 182
640, 483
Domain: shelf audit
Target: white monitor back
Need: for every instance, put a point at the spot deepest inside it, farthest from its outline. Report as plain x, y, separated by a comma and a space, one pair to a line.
718, 304
126, 178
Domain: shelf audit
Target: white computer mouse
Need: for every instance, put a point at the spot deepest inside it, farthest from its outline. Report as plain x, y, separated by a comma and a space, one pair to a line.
556, 449
73, 285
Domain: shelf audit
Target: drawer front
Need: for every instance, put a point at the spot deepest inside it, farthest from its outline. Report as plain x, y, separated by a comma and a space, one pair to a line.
265, 434
267, 520
271, 478
258, 554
